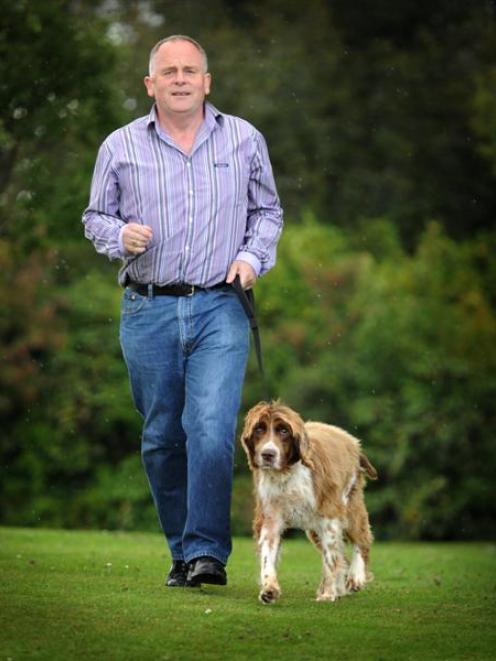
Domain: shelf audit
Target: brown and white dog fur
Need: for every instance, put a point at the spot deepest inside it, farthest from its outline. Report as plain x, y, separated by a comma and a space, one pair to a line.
310, 476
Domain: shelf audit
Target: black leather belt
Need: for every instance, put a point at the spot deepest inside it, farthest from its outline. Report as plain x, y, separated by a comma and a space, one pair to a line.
176, 289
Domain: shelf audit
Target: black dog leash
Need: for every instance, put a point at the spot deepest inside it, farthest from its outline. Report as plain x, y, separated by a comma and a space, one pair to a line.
247, 300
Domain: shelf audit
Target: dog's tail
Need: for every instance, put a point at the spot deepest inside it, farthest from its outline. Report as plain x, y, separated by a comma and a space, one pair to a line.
366, 467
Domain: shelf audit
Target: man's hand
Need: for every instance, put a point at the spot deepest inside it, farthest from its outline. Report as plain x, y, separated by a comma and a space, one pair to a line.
136, 237
246, 273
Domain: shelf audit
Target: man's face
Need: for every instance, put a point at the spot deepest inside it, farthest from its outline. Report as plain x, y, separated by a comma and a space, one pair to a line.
178, 82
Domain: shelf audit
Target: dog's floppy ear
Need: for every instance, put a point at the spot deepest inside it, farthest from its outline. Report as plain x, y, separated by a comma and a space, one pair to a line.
302, 447
251, 420
295, 452
248, 447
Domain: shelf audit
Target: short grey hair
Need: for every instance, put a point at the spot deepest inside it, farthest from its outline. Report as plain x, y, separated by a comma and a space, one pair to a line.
178, 37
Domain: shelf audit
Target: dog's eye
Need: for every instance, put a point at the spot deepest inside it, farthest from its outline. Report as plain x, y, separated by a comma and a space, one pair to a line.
282, 431
260, 429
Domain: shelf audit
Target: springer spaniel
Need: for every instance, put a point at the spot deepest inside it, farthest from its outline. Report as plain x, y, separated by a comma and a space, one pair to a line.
309, 476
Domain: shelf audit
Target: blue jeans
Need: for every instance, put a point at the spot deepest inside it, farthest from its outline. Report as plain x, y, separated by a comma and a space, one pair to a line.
186, 358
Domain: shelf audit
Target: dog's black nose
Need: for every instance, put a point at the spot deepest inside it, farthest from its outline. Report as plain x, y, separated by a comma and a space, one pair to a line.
268, 455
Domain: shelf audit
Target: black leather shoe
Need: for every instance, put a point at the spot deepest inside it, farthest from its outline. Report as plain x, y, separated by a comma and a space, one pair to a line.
206, 570
176, 577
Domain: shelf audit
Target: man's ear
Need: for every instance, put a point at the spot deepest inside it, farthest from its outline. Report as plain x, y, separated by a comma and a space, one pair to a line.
149, 86
207, 83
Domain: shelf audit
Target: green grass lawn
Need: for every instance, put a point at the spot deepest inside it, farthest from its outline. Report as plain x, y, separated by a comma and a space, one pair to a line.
88, 595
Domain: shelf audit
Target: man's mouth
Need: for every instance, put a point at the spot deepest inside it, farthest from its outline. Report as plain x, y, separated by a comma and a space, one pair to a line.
180, 93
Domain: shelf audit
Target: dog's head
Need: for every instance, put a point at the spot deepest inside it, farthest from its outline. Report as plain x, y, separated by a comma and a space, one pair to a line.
274, 437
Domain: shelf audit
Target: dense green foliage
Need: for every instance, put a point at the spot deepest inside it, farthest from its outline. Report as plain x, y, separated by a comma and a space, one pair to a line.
401, 350
380, 315
82, 595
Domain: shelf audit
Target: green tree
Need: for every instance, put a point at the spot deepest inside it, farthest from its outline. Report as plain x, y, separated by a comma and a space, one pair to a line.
56, 94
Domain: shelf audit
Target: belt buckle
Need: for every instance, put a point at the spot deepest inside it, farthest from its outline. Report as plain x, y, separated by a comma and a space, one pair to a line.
192, 291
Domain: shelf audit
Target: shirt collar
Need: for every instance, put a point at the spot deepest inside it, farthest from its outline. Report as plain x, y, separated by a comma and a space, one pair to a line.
212, 112
152, 117
212, 116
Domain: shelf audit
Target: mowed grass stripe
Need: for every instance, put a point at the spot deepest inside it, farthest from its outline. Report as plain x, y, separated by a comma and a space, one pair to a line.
75, 595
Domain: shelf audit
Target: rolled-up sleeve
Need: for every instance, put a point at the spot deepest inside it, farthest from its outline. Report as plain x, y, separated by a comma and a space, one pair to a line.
265, 220
101, 220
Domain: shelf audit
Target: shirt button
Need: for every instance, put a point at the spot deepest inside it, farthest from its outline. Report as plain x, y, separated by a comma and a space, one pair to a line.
188, 163
191, 192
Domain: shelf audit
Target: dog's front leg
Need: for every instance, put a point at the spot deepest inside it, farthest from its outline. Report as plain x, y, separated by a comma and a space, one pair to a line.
269, 543
332, 585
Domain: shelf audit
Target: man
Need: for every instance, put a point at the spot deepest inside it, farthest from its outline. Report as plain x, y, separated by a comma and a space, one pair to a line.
186, 198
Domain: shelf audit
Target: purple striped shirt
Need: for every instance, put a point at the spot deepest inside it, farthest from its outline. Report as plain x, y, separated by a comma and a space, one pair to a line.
206, 209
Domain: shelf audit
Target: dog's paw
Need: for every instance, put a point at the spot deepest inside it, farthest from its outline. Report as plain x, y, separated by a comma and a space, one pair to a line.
357, 573
269, 595
355, 583
326, 596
